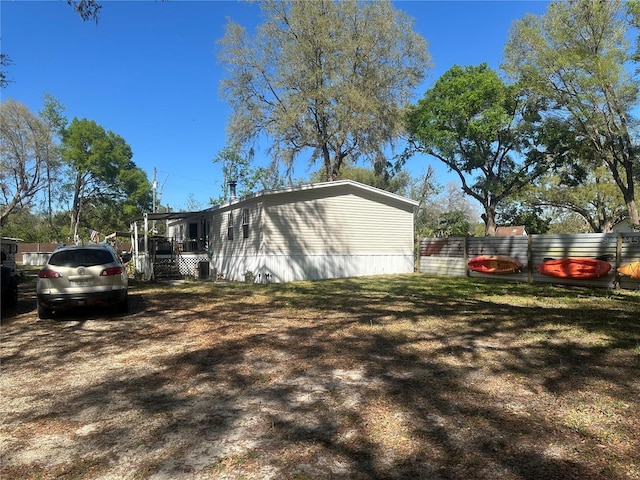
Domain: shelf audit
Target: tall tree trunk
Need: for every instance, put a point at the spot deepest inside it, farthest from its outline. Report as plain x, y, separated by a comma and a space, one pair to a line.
326, 158
76, 207
489, 217
634, 219
621, 162
629, 162
50, 210
490, 226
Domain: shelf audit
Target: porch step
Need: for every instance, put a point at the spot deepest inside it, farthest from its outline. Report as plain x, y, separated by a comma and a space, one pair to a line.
166, 269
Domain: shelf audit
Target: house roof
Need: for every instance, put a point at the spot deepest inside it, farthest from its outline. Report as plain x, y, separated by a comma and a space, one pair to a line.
321, 186
264, 193
513, 231
625, 226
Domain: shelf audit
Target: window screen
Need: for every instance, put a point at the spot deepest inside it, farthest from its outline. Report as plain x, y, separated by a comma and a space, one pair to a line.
245, 223
230, 226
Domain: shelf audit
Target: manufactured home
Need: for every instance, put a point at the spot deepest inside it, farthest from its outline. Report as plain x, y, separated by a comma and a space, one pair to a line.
325, 230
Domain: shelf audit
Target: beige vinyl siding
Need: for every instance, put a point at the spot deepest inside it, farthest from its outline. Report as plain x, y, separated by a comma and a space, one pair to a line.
215, 231
239, 245
336, 222
312, 233
326, 230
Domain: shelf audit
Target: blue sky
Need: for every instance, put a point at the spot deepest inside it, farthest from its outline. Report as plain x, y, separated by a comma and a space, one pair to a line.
148, 71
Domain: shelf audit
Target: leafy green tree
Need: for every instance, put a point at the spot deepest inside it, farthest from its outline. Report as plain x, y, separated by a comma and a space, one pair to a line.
193, 204
533, 217
422, 190
484, 131
52, 113
453, 224
103, 176
441, 211
453, 199
593, 196
398, 182
574, 57
26, 151
36, 226
565, 222
24, 225
633, 9
114, 212
236, 167
329, 78
580, 183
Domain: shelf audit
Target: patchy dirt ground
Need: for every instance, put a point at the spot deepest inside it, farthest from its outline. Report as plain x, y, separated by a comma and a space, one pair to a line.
380, 378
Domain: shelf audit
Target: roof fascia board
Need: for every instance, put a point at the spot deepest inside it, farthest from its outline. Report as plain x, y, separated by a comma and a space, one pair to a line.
318, 186
301, 188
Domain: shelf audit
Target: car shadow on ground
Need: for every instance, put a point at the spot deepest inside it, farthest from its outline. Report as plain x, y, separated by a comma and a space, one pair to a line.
100, 312
27, 304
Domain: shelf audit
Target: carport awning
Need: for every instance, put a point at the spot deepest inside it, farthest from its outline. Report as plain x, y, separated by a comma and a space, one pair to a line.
119, 234
170, 215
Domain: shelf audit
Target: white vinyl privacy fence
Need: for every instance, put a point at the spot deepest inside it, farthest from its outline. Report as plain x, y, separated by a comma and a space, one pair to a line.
449, 256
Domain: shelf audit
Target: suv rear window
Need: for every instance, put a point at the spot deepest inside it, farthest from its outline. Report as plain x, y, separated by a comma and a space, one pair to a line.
77, 258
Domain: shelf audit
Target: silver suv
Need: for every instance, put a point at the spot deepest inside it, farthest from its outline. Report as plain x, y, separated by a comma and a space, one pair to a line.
82, 275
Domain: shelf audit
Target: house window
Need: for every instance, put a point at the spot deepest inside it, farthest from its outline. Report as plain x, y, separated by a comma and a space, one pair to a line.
245, 223
193, 231
193, 237
230, 226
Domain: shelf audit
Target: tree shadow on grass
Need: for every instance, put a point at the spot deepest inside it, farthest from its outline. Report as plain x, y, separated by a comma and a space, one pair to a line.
343, 380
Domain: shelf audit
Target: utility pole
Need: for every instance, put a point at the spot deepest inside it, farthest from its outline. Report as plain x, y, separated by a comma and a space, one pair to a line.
154, 187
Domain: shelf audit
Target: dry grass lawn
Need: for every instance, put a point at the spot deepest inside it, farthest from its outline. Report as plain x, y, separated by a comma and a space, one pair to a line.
375, 378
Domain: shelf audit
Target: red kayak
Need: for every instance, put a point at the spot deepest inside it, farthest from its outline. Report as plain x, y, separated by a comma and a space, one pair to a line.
579, 268
496, 264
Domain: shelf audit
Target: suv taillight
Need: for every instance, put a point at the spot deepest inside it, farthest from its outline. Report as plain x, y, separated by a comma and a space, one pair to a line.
111, 271
46, 273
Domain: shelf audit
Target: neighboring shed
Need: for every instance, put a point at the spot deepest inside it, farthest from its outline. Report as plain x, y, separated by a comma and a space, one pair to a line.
622, 226
326, 230
8, 251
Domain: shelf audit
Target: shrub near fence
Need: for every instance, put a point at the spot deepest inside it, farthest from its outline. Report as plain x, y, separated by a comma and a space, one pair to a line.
449, 256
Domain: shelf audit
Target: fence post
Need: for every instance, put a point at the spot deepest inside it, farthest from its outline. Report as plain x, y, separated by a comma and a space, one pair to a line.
618, 260
530, 259
465, 254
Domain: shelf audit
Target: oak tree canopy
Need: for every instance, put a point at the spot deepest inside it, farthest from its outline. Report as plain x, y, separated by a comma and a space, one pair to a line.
326, 77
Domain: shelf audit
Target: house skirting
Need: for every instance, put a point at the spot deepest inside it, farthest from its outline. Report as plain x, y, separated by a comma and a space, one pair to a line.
287, 268
188, 264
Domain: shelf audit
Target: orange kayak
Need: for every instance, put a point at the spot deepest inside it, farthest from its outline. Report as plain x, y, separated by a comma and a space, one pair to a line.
494, 264
631, 270
579, 268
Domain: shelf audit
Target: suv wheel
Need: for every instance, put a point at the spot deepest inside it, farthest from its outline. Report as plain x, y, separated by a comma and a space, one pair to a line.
10, 297
44, 312
14, 294
123, 307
